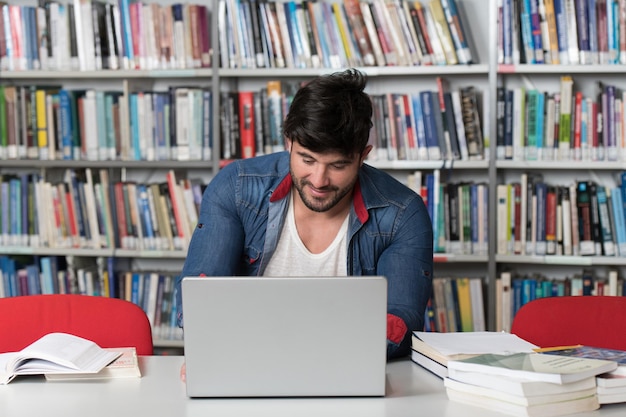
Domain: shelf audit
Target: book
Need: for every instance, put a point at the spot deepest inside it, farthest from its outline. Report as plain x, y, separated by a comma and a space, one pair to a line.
125, 366
519, 386
523, 400
445, 347
535, 366
590, 352
56, 353
576, 405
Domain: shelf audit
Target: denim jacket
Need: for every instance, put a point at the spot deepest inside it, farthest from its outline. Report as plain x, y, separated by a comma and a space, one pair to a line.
390, 233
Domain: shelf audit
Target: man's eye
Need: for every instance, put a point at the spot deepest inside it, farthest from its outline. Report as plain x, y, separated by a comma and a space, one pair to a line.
308, 161
339, 166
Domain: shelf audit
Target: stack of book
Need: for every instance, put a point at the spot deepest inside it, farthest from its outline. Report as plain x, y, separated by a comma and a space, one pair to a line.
527, 384
611, 386
432, 350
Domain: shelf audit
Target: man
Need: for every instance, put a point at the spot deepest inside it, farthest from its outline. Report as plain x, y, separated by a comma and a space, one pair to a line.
318, 209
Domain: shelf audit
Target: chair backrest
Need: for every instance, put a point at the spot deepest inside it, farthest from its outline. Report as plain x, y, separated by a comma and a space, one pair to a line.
598, 321
109, 322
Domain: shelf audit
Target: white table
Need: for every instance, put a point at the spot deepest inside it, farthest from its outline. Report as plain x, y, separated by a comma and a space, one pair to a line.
411, 391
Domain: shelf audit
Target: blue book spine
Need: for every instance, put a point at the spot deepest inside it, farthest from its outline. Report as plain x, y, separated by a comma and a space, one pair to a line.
546, 288
7, 265
535, 27
527, 33
582, 27
474, 216
27, 57
593, 30
457, 31
612, 19
15, 192
517, 294
34, 283
46, 272
65, 119
109, 126
541, 189
32, 35
10, 54
134, 128
127, 34
103, 145
430, 129
5, 202
539, 128
561, 30
323, 36
430, 203
507, 31
529, 290
134, 288
207, 126
420, 134
508, 124
294, 35
146, 216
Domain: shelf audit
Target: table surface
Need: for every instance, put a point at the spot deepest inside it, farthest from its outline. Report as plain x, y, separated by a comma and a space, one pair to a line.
410, 391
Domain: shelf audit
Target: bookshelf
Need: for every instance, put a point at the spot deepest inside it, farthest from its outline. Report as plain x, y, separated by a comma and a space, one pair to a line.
486, 74
592, 267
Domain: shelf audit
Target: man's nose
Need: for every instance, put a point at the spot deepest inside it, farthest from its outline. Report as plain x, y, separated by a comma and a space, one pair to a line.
319, 176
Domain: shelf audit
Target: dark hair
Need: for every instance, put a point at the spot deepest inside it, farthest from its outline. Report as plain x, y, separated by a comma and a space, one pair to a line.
331, 113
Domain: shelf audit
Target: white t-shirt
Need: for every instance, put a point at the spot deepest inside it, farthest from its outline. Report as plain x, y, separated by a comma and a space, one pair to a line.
292, 258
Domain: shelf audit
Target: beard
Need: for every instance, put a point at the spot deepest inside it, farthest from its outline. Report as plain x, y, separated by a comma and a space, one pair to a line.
320, 205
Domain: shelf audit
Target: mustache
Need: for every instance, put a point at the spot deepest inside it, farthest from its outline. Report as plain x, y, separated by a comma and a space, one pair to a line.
326, 188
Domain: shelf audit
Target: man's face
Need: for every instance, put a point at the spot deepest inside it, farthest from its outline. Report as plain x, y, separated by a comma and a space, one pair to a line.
323, 179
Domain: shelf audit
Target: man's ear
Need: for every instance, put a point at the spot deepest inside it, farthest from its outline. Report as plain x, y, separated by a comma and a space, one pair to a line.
366, 152
288, 144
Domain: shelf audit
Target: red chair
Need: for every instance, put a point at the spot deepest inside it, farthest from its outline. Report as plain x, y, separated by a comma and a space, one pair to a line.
109, 322
598, 321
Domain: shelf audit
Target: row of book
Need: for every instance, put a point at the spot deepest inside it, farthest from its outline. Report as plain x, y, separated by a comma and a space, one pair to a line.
430, 125
91, 35
154, 292
341, 33
581, 219
457, 305
88, 210
561, 32
444, 124
51, 122
458, 212
514, 290
536, 125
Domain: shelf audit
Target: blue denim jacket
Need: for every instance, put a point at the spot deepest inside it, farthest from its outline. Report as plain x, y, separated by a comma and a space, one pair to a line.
390, 233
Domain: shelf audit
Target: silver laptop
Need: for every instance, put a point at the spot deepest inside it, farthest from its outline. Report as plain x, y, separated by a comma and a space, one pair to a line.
285, 337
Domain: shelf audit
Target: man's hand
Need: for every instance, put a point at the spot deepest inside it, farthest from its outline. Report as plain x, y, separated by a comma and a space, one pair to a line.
183, 372
396, 328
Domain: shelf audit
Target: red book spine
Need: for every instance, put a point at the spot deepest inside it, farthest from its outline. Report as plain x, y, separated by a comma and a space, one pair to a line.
246, 124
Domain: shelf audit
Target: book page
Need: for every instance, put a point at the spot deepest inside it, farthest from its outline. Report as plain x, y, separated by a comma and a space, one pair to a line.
475, 342
58, 352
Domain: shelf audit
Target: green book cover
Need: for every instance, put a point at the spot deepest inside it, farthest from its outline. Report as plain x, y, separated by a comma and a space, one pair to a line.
565, 118
535, 366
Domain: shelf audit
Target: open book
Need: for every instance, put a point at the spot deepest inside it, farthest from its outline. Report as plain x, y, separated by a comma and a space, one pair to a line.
126, 366
55, 353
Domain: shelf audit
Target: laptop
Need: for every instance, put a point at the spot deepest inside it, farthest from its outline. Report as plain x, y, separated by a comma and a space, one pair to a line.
285, 337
